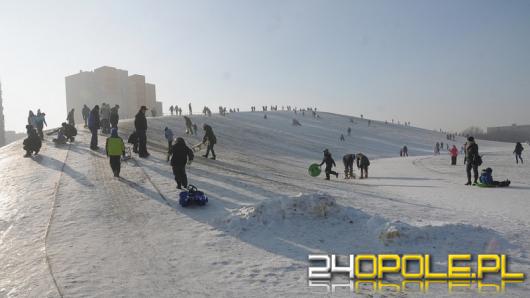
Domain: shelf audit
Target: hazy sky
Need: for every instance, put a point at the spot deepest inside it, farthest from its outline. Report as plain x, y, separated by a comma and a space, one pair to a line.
439, 64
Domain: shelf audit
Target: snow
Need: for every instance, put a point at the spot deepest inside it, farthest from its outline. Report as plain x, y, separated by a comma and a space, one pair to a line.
64, 217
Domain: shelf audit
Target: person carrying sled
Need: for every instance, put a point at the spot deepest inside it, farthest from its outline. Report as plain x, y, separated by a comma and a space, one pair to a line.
140, 125
94, 125
486, 179
348, 161
363, 163
168, 134
454, 155
518, 151
180, 156
330, 163
32, 143
473, 160
210, 139
115, 148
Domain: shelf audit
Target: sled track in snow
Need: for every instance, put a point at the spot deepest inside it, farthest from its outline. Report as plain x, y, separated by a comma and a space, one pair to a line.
52, 213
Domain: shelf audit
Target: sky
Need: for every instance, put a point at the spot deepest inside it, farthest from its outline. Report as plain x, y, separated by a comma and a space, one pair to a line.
438, 64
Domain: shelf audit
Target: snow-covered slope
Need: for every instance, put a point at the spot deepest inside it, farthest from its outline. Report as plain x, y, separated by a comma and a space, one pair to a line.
69, 228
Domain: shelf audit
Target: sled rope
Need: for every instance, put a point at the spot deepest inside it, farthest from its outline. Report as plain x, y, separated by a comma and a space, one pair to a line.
152, 183
55, 191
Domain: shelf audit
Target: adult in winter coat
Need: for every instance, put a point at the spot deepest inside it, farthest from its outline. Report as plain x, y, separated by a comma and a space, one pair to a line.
180, 156
31, 119
40, 121
105, 118
330, 163
518, 151
114, 116
405, 151
210, 139
70, 117
454, 155
85, 112
363, 163
140, 124
348, 161
473, 160
32, 143
168, 134
94, 124
115, 148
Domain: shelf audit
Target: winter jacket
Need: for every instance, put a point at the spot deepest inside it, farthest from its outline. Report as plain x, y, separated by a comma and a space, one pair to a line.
454, 152
85, 112
180, 154
114, 116
93, 119
115, 146
486, 177
133, 138
472, 155
362, 161
140, 122
328, 160
209, 135
168, 134
348, 159
518, 149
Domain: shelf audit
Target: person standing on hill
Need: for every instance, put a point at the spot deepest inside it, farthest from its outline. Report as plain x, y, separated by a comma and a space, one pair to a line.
115, 148
473, 160
70, 117
330, 163
181, 155
189, 107
168, 134
210, 139
454, 155
171, 109
405, 151
363, 163
94, 125
85, 112
518, 151
140, 124
114, 116
189, 125
349, 131
348, 161
40, 121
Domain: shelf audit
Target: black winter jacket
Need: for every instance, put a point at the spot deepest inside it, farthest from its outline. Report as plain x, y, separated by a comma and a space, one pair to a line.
140, 122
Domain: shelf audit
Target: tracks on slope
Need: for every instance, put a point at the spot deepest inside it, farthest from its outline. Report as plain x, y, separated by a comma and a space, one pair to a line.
52, 213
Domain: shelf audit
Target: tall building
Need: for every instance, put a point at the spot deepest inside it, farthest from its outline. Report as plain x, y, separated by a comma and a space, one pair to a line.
2, 124
109, 85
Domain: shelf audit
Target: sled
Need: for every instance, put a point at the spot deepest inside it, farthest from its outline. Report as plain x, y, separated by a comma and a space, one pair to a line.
199, 146
192, 196
501, 184
128, 154
314, 170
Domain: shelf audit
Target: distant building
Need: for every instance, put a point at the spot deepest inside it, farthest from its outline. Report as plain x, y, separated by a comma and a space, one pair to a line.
112, 86
2, 122
513, 133
12, 136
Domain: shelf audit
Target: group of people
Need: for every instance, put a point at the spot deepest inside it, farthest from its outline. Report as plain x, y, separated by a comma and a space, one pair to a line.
37, 121
348, 160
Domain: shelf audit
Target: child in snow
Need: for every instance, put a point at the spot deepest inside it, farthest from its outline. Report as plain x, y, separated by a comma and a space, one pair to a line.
330, 163
486, 178
168, 134
454, 155
33, 142
363, 163
115, 148
181, 155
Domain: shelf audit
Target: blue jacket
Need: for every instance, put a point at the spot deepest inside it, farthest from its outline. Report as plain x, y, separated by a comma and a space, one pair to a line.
168, 134
486, 178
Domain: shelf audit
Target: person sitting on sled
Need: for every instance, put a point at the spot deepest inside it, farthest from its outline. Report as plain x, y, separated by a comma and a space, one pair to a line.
486, 179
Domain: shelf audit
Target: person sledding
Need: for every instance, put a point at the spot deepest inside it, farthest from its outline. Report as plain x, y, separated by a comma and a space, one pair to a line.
363, 163
330, 163
210, 139
486, 180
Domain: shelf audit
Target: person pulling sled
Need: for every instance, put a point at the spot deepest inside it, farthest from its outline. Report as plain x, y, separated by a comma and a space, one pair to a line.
180, 156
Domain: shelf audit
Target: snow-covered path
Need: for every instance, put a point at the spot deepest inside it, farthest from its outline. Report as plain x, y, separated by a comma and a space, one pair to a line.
129, 237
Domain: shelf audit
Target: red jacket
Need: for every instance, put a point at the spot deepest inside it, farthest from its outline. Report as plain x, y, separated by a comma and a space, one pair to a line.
454, 152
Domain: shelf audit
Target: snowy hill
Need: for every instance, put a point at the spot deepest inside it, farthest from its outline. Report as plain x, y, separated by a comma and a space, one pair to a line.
67, 227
